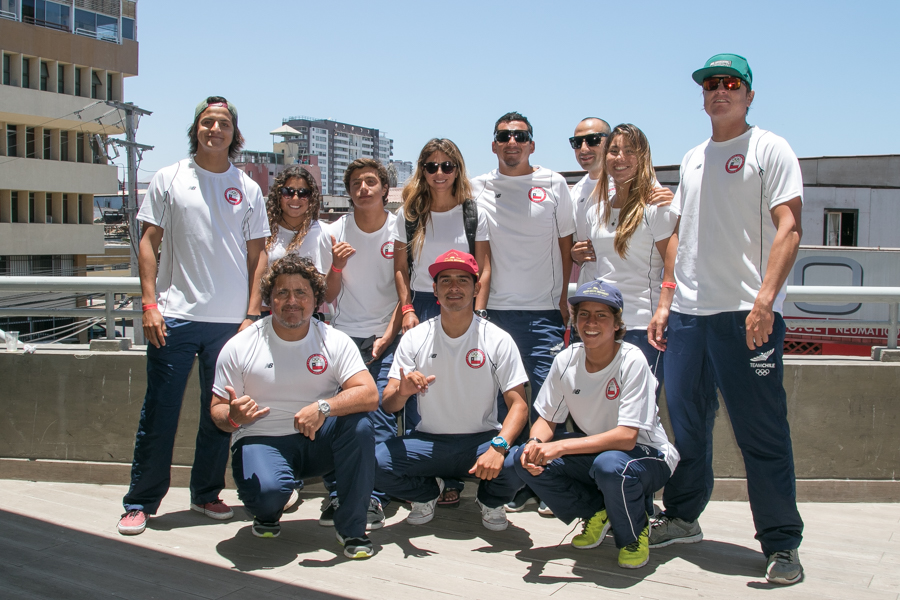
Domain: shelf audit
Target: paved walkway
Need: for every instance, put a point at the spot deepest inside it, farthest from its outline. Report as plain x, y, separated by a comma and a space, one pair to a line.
59, 541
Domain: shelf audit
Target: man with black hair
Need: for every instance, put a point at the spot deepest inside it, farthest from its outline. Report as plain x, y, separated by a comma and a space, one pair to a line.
531, 222
203, 289
294, 393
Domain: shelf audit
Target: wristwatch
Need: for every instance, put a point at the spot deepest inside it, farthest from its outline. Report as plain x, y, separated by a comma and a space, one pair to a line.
253, 317
324, 408
481, 313
500, 444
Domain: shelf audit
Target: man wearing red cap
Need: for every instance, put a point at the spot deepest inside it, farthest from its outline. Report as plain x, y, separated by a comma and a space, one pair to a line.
456, 363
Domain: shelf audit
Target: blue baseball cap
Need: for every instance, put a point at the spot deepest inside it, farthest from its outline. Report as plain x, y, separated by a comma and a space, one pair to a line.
598, 291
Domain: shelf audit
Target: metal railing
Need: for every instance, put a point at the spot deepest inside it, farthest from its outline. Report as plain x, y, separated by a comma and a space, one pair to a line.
131, 286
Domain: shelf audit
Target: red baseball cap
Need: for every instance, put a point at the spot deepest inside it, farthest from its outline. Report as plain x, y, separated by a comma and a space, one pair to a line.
454, 259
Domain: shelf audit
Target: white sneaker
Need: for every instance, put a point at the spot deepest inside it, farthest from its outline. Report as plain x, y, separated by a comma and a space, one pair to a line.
423, 512
493, 518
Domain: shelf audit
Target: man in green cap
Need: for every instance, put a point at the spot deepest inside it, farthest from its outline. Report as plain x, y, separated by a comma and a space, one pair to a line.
739, 200
207, 223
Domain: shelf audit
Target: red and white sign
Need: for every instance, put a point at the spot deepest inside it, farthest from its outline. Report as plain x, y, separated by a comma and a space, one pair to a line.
475, 358
233, 196
612, 389
735, 163
387, 250
537, 194
316, 364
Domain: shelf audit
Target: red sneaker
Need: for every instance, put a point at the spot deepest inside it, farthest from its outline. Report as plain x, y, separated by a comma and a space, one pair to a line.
216, 509
133, 522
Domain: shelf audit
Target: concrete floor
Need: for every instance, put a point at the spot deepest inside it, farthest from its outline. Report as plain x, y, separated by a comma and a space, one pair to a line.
58, 540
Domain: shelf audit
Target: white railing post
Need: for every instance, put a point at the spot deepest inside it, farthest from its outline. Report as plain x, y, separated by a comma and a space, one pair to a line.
110, 319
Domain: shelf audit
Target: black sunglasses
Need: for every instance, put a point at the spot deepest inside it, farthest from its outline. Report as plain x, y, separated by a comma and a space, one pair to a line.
521, 135
592, 139
446, 167
711, 84
289, 192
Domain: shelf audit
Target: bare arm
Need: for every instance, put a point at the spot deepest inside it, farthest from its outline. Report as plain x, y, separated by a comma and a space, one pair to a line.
483, 258
393, 328
358, 395
340, 254
401, 280
786, 218
660, 319
257, 261
565, 248
490, 462
148, 250
618, 438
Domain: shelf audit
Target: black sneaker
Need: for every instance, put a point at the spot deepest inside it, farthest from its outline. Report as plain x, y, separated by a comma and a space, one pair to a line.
266, 530
375, 515
360, 547
329, 505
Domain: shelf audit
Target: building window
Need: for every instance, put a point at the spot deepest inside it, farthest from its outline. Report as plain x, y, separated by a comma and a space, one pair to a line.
64, 145
14, 207
45, 76
77, 81
95, 85
57, 15
31, 207
80, 208
127, 28
79, 147
29, 143
48, 208
109, 86
47, 140
841, 227
7, 73
61, 79
12, 140
26, 72
65, 209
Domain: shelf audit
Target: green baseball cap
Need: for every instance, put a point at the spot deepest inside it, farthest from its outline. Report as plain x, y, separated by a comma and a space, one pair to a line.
730, 64
206, 104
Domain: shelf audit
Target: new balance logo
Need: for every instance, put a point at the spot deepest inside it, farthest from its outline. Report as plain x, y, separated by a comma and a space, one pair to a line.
270, 365
576, 391
762, 356
497, 196
434, 356
193, 187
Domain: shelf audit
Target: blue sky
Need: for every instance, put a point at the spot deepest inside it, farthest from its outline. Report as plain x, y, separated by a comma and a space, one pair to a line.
823, 71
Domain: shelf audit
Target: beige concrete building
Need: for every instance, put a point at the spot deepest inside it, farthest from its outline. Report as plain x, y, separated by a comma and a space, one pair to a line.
61, 62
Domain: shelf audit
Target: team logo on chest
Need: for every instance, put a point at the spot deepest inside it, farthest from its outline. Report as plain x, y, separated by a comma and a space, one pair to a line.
387, 250
233, 196
475, 358
537, 194
735, 163
316, 364
612, 389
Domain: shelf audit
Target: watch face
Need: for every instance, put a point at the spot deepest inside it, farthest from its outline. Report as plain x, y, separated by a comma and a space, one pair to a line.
499, 441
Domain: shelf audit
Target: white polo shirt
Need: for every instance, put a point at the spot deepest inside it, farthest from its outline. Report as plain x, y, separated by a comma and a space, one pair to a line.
725, 197
468, 370
368, 295
207, 219
526, 215
624, 393
316, 246
445, 231
284, 376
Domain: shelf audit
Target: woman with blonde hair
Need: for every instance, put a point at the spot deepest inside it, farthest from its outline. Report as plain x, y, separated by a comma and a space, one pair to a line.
438, 215
625, 236
293, 208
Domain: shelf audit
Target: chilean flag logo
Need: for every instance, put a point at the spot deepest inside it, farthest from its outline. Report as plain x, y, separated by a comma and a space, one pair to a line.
612, 389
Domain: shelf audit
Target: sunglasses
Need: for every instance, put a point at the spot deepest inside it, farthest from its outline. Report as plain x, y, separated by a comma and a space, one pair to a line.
446, 167
289, 192
711, 84
592, 139
521, 135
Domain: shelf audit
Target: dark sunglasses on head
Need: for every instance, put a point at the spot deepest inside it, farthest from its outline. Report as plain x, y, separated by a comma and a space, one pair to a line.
711, 84
446, 167
521, 135
592, 139
289, 192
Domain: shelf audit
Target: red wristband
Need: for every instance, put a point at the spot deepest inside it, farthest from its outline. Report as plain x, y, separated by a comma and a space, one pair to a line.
669, 284
232, 423
336, 270
147, 307
407, 308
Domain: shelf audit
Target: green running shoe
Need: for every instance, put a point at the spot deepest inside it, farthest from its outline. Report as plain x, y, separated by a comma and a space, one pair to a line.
593, 532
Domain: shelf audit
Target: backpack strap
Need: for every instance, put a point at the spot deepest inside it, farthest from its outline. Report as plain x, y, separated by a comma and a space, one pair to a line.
410, 232
470, 222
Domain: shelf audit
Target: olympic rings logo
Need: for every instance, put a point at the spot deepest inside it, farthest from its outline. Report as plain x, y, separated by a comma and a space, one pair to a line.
762, 372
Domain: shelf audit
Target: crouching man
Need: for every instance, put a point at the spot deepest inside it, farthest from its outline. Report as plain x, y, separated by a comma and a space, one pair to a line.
604, 475
277, 390
456, 363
